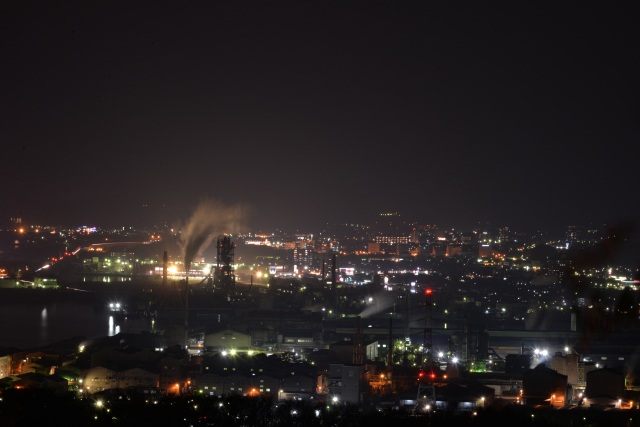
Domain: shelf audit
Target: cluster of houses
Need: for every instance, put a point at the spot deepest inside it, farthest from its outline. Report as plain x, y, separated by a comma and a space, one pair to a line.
229, 365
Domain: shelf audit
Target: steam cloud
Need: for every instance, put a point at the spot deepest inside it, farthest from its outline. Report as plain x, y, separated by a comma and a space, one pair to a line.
209, 220
382, 303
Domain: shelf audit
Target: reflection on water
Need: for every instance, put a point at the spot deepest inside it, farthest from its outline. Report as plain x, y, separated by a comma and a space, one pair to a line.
113, 328
29, 325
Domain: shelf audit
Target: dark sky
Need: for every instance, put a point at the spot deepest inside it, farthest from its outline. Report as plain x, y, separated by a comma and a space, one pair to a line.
518, 113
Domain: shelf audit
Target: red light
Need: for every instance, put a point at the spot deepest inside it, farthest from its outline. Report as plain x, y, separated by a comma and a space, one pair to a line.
421, 374
432, 375
428, 291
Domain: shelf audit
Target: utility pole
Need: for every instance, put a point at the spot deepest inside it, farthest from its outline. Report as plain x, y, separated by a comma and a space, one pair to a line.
427, 338
358, 350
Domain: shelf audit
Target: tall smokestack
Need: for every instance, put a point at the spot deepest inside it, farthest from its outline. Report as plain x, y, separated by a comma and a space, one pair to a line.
334, 256
186, 311
165, 261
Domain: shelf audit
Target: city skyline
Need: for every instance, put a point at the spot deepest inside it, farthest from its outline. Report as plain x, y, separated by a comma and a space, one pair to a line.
296, 115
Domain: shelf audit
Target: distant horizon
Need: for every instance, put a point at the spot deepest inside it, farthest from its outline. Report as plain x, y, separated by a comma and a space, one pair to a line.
177, 222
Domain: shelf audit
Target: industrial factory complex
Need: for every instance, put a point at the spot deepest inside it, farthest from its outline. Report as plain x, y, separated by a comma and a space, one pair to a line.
420, 320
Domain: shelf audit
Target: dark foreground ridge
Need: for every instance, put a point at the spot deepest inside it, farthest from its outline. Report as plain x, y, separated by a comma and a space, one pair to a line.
44, 407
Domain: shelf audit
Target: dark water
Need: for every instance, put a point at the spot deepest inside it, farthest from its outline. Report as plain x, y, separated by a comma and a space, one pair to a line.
28, 321
32, 318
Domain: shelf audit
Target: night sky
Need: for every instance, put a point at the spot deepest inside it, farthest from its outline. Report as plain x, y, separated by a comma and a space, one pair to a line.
522, 114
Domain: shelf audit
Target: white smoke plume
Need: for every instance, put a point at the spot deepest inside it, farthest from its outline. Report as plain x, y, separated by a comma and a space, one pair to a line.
209, 220
383, 301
